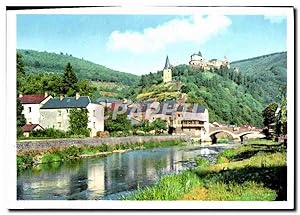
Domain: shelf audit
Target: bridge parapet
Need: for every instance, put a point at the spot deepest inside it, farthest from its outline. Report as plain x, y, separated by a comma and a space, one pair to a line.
234, 130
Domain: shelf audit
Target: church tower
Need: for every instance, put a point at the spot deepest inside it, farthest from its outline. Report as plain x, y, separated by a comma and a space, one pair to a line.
167, 72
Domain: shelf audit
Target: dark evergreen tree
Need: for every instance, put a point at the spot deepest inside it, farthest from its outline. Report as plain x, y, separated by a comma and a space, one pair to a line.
269, 114
69, 81
20, 72
20, 65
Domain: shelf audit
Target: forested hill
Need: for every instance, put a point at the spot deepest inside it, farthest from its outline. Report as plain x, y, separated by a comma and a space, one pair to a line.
265, 76
227, 101
231, 96
46, 62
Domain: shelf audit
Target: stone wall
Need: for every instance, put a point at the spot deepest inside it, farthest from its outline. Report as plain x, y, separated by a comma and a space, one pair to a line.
47, 144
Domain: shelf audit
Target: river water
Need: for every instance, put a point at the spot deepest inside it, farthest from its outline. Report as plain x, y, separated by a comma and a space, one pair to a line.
108, 177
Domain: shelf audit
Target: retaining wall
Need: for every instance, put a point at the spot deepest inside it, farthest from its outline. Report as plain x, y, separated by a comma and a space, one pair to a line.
47, 144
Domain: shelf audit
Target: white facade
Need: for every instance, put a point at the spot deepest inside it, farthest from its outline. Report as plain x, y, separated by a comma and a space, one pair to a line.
96, 118
196, 57
59, 118
32, 111
167, 75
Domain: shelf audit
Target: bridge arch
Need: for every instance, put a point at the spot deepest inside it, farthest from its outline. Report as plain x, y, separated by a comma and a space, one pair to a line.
213, 137
241, 135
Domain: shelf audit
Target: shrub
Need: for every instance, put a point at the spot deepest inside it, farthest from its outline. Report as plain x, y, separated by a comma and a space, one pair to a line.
226, 156
201, 162
49, 133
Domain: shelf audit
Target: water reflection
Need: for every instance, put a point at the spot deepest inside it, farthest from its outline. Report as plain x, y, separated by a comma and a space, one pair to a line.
103, 178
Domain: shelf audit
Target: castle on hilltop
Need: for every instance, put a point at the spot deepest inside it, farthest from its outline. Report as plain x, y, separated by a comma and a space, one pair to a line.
198, 61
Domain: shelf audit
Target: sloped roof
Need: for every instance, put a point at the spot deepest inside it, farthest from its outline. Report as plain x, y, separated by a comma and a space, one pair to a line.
67, 102
167, 64
30, 127
32, 99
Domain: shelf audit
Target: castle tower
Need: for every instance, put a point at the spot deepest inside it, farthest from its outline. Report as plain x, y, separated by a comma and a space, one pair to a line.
167, 72
226, 62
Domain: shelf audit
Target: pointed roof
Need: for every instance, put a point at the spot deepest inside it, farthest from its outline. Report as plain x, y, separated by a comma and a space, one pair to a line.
167, 64
199, 53
30, 127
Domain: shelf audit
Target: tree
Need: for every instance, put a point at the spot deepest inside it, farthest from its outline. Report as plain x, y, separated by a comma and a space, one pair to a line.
281, 119
85, 87
269, 114
119, 124
78, 122
159, 125
145, 126
20, 72
20, 65
69, 81
20, 118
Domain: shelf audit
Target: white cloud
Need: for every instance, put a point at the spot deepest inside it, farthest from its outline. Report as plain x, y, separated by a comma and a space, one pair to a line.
197, 29
275, 19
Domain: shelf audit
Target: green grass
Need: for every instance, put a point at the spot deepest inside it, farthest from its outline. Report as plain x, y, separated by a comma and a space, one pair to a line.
223, 140
169, 188
201, 162
220, 191
253, 172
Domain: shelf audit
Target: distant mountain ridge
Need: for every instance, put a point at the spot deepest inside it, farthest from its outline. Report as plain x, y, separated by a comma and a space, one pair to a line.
46, 62
267, 75
258, 57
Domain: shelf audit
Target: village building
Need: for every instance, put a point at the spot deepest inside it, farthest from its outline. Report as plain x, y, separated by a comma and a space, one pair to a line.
28, 128
167, 72
31, 106
55, 113
185, 119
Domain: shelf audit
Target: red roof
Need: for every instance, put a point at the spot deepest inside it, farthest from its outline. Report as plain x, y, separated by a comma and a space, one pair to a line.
32, 99
29, 127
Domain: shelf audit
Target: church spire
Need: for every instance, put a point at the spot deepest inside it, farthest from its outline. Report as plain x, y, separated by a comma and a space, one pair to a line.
167, 64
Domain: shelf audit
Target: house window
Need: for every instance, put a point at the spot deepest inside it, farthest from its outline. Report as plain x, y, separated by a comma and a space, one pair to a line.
94, 124
59, 124
29, 109
59, 113
94, 112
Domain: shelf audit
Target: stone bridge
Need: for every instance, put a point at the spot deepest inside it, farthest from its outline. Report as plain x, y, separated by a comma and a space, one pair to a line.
237, 134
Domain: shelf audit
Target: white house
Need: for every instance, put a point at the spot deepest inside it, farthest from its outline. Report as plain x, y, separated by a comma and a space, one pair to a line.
55, 113
31, 106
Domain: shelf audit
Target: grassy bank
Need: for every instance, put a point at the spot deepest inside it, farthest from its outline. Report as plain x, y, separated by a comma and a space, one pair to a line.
32, 158
255, 171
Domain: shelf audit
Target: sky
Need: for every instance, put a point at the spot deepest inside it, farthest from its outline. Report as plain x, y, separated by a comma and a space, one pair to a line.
139, 44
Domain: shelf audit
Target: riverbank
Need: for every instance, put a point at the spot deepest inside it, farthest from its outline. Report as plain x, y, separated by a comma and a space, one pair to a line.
255, 171
42, 145
30, 158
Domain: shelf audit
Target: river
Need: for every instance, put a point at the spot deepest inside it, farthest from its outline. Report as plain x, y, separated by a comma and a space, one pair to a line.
108, 177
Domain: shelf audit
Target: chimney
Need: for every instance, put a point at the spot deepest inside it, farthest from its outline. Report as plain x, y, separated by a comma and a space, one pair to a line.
20, 95
77, 96
46, 94
61, 97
